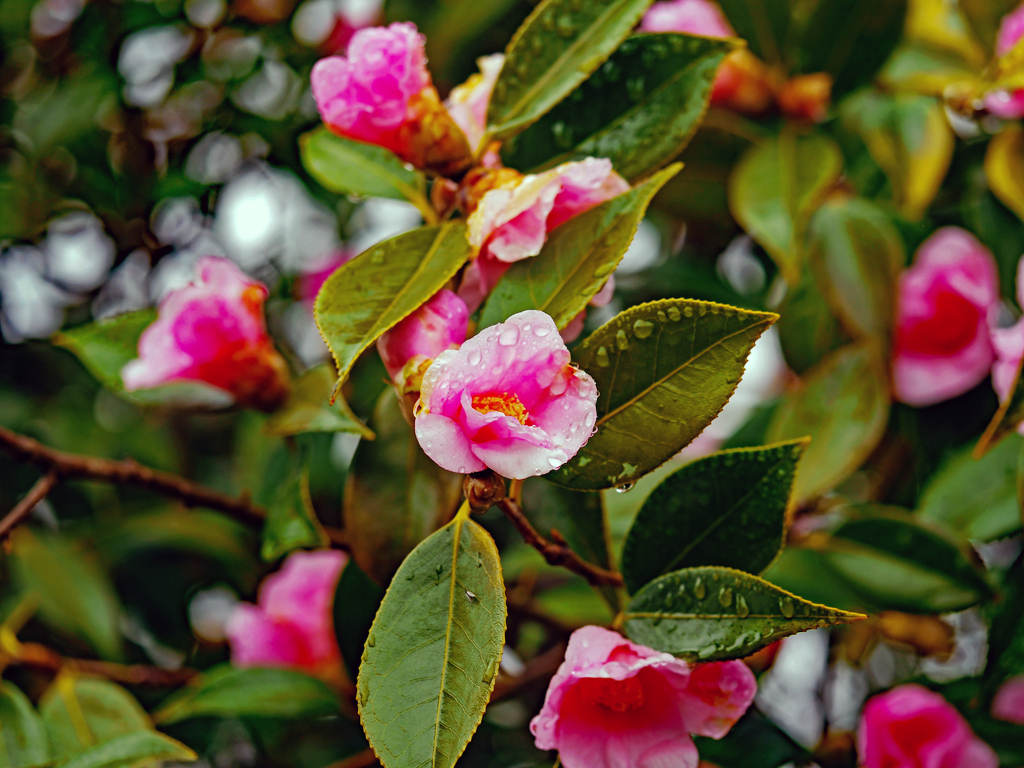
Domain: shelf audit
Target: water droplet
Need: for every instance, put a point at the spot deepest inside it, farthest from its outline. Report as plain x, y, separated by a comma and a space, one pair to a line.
471, 596
602, 357
509, 336
674, 314
625, 488
787, 607
541, 331
725, 597
742, 609
621, 340
555, 463
371, 641
565, 27
702, 310
688, 311
699, 589
590, 420
377, 257
364, 696
462, 470
474, 357
491, 671
662, 317
715, 309
643, 329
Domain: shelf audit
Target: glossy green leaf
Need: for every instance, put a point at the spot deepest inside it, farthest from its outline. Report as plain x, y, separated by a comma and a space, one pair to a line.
664, 370
291, 520
309, 408
356, 600
639, 109
776, 187
843, 405
976, 498
754, 742
395, 496
576, 260
810, 574
808, 329
1009, 416
226, 691
710, 613
74, 593
764, 24
81, 712
132, 749
427, 673
730, 509
23, 742
557, 47
382, 286
857, 254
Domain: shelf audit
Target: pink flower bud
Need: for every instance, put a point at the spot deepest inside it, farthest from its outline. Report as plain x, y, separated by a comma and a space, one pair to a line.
1011, 29
692, 17
614, 703
438, 325
292, 625
942, 346
381, 93
507, 400
213, 330
1008, 703
912, 727
467, 103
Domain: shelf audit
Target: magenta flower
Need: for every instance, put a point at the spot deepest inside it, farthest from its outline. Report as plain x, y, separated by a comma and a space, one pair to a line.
381, 93
912, 727
467, 103
1006, 104
1008, 703
292, 625
692, 17
213, 331
438, 325
616, 704
507, 399
942, 346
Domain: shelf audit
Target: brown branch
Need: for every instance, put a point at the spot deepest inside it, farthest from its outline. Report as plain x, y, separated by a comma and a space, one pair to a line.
557, 553
540, 667
41, 657
23, 508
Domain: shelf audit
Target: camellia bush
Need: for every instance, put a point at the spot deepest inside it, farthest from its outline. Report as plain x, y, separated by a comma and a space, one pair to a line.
592, 383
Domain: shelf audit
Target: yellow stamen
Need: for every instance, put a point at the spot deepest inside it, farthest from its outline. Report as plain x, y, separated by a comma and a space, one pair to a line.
507, 404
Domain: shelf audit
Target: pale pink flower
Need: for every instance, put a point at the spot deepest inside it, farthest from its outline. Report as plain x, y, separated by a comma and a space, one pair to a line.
507, 399
942, 346
692, 17
467, 103
1011, 29
616, 704
213, 331
1008, 703
1006, 104
912, 727
292, 625
438, 325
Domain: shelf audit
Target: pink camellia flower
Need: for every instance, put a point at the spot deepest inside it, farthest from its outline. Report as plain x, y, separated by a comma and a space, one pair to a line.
1008, 703
309, 283
616, 704
942, 345
1008, 344
692, 17
467, 103
438, 325
507, 399
213, 331
292, 625
912, 727
382, 94
1008, 105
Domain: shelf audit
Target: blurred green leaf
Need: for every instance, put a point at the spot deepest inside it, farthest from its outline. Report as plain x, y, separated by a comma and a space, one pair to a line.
395, 496
984, 16
356, 600
427, 674
764, 24
74, 593
711, 613
63, 112
664, 370
225, 691
921, 69
639, 109
775, 189
576, 261
808, 329
81, 712
753, 742
308, 408
132, 749
23, 735
382, 286
291, 520
557, 47
729, 509
843, 405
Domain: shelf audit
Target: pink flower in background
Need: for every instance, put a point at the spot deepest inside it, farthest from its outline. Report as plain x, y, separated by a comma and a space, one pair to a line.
467, 103
1008, 703
616, 704
693, 17
292, 625
309, 283
1008, 105
213, 331
438, 325
1008, 344
912, 727
942, 346
508, 399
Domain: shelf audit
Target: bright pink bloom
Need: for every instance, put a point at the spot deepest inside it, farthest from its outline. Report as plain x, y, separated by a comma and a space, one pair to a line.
292, 626
1006, 104
438, 325
616, 704
1008, 703
508, 399
912, 727
942, 345
692, 17
467, 103
213, 330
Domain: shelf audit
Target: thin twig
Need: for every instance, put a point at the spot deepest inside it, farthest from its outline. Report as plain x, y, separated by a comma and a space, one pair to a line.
41, 657
23, 508
557, 553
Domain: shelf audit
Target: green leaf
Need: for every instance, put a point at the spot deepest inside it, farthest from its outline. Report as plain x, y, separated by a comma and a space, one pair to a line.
225, 691
1004, 167
984, 16
664, 370
291, 520
74, 593
730, 509
754, 742
1009, 416
382, 286
557, 47
776, 187
353, 168
808, 329
764, 24
576, 260
843, 405
639, 109
976, 498
23, 742
433, 652
132, 749
711, 613
356, 600
857, 254
81, 712
309, 409
395, 496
